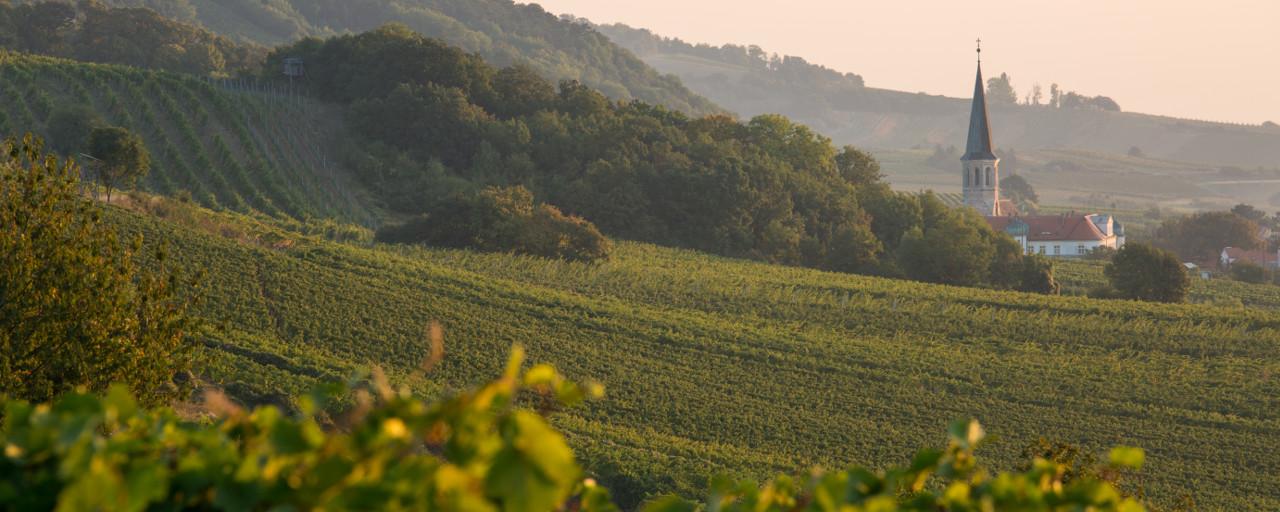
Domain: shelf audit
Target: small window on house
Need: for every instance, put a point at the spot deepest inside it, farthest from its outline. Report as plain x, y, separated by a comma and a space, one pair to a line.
1042, 249
1080, 249
1057, 250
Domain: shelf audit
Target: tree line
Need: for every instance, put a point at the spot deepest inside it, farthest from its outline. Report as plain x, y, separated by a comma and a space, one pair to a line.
1000, 91
92, 32
429, 121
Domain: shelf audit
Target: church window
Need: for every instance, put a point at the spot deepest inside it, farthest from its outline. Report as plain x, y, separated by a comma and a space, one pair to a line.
966, 178
990, 179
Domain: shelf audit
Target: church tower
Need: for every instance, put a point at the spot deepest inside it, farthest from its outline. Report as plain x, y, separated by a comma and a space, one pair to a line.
981, 175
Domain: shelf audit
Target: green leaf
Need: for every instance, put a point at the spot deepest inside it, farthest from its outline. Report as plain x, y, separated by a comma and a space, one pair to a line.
669, 504
1127, 457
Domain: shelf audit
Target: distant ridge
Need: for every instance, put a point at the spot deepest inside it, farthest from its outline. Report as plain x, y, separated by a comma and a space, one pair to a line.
880, 118
501, 31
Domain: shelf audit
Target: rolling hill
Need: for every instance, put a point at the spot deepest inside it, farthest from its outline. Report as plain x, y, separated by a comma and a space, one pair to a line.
224, 142
745, 367
839, 106
502, 31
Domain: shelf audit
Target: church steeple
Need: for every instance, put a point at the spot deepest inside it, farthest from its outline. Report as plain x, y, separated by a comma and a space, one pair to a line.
979, 145
980, 165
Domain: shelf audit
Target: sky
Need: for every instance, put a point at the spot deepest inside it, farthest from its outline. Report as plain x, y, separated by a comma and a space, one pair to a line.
1202, 59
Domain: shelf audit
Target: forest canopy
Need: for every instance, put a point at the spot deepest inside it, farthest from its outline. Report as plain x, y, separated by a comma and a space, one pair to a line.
429, 120
90, 31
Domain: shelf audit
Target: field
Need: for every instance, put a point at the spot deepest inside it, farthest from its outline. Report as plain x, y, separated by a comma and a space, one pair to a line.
1096, 180
715, 365
246, 151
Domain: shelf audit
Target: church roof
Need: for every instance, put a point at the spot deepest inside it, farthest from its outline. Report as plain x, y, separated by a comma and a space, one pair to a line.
979, 145
1050, 228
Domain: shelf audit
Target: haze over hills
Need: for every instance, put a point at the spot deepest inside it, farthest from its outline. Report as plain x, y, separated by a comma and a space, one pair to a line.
790, 310
749, 81
881, 118
502, 31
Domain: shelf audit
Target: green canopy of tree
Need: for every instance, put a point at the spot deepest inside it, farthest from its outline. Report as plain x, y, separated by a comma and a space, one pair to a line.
503, 220
90, 31
121, 156
1248, 272
501, 31
1201, 237
69, 128
1016, 188
75, 308
440, 120
1142, 272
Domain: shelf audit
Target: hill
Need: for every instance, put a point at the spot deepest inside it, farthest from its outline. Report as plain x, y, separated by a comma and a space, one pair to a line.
1096, 180
749, 368
744, 80
502, 31
225, 143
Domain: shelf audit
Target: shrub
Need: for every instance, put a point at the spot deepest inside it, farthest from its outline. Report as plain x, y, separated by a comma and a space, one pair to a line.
502, 219
475, 451
69, 128
1143, 272
1037, 275
1248, 272
75, 309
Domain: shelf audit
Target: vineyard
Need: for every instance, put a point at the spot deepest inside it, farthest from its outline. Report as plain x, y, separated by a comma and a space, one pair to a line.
234, 148
715, 365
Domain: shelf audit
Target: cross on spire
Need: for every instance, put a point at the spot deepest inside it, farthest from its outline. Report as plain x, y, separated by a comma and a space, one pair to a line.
979, 49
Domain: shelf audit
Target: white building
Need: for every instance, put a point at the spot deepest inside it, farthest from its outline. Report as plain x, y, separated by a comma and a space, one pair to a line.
1066, 235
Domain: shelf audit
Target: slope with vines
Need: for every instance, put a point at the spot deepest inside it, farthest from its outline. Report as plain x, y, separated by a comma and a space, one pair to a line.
229, 147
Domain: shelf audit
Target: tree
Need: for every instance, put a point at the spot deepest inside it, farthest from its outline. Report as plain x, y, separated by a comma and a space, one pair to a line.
1037, 95
1249, 212
122, 157
1248, 272
1055, 96
948, 250
1000, 91
1142, 272
75, 308
1202, 236
69, 128
858, 167
1036, 275
1017, 189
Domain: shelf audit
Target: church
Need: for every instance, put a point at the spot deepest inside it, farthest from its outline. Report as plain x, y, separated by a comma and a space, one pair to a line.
1064, 235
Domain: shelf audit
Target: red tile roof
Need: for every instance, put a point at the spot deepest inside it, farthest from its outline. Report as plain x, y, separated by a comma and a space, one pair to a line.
1052, 227
1258, 256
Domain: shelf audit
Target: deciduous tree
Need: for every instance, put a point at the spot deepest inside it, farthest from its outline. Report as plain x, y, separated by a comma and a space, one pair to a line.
75, 307
1142, 272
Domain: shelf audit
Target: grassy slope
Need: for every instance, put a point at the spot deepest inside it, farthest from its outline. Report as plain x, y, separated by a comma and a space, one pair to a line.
717, 365
240, 150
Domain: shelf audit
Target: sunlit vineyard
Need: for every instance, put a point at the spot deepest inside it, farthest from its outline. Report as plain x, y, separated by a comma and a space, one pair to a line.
715, 365
245, 151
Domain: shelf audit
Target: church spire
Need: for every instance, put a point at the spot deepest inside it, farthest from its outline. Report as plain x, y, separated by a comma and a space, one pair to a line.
979, 145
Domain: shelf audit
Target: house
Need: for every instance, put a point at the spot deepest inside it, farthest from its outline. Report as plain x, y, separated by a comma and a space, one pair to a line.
1195, 270
1261, 257
1066, 235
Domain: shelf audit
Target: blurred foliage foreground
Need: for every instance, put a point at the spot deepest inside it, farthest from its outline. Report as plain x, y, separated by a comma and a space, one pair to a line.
478, 450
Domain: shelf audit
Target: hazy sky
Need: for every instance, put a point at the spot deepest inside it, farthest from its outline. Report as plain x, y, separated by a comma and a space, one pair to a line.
1204, 59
